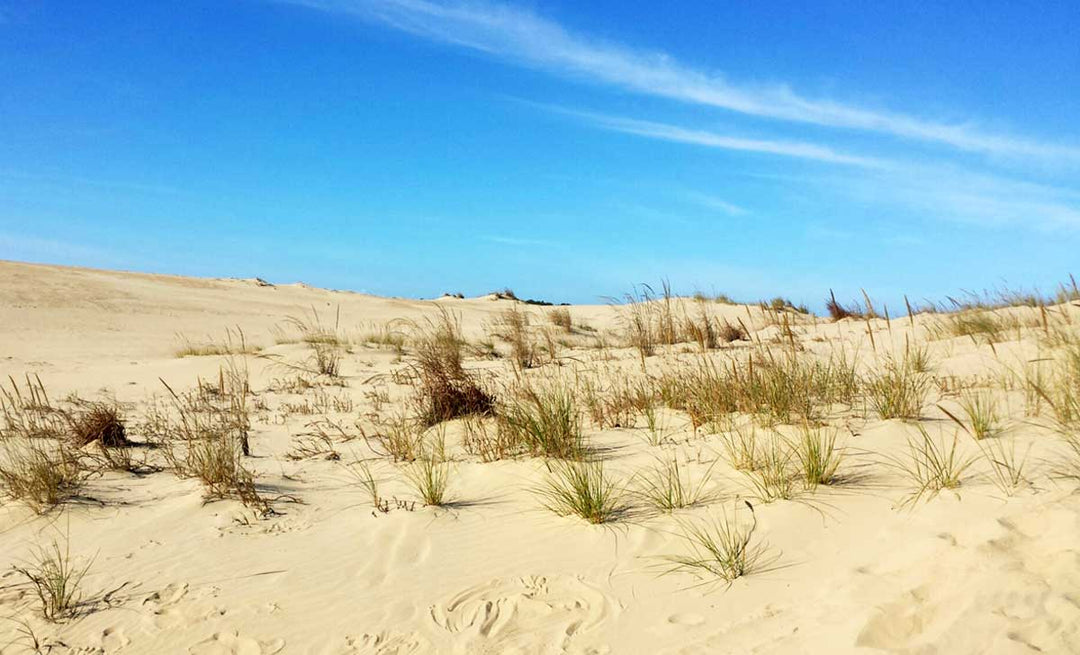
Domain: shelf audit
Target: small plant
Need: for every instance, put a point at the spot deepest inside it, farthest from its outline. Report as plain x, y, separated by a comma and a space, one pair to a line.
931, 467
488, 441
899, 391
545, 421
982, 414
729, 332
741, 447
205, 437
1007, 469
430, 477
721, 548
100, 422
582, 489
655, 425
234, 343
773, 479
513, 326
362, 472
444, 389
667, 487
1068, 466
40, 474
819, 456
560, 317
839, 312
399, 438
56, 579
27, 412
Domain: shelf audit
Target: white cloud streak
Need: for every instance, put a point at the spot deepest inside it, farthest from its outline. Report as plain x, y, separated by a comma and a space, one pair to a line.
523, 37
678, 134
712, 202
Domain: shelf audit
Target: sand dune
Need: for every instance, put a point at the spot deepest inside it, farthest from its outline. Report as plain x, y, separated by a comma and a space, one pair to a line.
851, 567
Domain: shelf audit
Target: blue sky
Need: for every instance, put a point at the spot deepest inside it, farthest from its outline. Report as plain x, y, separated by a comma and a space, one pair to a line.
565, 149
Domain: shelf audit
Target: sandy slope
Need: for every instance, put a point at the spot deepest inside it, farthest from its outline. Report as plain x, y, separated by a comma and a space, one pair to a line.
973, 572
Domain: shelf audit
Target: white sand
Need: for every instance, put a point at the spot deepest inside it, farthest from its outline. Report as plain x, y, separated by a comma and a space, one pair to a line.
966, 572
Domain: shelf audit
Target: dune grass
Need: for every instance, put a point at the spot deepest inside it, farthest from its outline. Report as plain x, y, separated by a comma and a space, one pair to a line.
430, 478
582, 489
719, 548
233, 343
667, 486
40, 473
774, 478
203, 434
443, 389
56, 578
740, 444
545, 422
898, 391
931, 466
819, 457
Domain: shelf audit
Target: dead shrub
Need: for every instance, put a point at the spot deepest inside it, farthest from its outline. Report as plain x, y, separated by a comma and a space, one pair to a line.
444, 389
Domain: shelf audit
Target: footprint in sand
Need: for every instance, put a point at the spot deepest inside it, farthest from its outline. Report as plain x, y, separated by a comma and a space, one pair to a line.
687, 619
387, 643
111, 640
231, 643
161, 606
534, 614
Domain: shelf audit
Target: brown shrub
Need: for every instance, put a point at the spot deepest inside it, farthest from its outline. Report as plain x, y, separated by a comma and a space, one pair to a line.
444, 389
99, 422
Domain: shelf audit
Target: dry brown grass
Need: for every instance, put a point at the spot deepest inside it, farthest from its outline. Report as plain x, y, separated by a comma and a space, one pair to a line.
444, 390
40, 473
97, 422
560, 318
203, 434
543, 421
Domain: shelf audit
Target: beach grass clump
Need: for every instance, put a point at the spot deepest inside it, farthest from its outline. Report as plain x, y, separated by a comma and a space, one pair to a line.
97, 422
775, 477
40, 473
361, 471
444, 390
203, 434
400, 438
27, 412
489, 441
819, 457
981, 411
740, 444
560, 318
56, 578
513, 327
931, 466
583, 489
668, 486
720, 548
779, 388
1009, 468
899, 391
430, 478
233, 343
545, 421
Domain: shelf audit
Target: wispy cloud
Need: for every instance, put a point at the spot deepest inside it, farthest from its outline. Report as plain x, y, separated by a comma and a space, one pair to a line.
523, 37
679, 134
712, 202
957, 195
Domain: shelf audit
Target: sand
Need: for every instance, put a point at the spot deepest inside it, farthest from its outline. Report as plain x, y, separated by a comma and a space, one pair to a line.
851, 568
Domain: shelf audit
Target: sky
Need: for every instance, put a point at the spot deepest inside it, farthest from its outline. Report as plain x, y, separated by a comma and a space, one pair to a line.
566, 150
